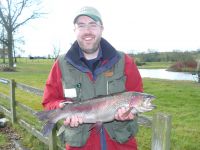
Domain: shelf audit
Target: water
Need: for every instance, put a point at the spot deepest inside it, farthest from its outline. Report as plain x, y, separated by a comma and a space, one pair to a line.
164, 74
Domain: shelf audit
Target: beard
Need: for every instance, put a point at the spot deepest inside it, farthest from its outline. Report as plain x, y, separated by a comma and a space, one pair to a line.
89, 47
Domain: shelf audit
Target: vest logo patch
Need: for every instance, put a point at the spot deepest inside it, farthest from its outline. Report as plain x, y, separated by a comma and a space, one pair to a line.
108, 73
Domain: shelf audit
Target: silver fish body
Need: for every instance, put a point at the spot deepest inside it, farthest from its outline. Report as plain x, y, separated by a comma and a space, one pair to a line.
100, 109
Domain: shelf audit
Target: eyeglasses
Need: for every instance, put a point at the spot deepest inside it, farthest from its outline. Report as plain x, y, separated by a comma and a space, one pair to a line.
91, 26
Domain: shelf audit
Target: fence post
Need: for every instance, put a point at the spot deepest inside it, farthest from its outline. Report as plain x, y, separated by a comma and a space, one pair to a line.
161, 132
12, 101
52, 139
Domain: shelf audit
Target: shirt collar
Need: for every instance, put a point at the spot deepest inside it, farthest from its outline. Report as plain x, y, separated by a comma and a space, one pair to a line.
99, 56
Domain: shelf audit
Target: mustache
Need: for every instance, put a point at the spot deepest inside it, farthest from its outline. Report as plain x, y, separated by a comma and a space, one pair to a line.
88, 34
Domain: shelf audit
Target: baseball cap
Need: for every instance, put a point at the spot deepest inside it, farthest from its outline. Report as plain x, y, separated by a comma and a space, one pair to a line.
90, 12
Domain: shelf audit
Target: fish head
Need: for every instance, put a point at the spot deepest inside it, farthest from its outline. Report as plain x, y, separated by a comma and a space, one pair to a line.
141, 102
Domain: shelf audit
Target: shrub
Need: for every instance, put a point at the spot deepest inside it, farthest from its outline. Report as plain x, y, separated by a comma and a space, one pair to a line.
181, 66
138, 63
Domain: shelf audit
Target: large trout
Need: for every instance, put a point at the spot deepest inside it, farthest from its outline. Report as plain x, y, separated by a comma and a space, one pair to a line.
97, 110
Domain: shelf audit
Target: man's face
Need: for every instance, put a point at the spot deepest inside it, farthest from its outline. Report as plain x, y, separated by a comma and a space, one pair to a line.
88, 34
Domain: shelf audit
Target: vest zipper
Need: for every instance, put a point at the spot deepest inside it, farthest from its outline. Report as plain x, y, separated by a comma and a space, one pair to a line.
80, 88
107, 88
94, 88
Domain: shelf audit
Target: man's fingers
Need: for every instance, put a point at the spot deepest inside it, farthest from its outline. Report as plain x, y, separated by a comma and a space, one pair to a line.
67, 121
80, 120
121, 113
124, 114
74, 121
61, 105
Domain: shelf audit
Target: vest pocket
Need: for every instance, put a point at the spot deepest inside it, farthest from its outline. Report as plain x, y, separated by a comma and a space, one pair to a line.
72, 89
121, 131
76, 136
116, 84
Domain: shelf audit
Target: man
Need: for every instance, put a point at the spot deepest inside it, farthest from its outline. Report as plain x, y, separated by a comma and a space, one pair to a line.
92, 67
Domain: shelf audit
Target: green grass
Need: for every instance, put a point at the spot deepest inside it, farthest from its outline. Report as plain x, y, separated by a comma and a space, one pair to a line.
31, 72
180, 99
155, 65
2, 139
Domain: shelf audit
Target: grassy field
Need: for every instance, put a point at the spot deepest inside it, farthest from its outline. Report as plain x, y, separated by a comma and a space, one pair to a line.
156, 65
180, 99
2, 139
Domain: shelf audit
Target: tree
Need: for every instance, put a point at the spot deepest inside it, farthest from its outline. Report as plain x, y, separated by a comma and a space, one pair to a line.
14, 14
2, 48
56, 51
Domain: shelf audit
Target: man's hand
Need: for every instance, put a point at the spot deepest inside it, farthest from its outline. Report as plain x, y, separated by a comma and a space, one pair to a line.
121, 114
73, 121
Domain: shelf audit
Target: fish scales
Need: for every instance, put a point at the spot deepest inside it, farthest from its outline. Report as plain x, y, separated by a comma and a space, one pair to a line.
100, 109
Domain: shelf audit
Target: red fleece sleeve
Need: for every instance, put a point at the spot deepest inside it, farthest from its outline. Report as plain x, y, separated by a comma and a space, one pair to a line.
53, 91
133, 78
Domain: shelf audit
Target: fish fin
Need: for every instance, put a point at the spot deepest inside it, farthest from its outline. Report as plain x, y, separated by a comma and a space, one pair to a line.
61, 130
127, 112
47, 128
44, 115
98, 125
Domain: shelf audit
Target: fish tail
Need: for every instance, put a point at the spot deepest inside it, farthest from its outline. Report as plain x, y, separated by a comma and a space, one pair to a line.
44, 115
48, 127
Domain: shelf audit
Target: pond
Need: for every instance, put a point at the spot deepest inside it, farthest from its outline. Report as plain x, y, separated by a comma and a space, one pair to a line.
164, 74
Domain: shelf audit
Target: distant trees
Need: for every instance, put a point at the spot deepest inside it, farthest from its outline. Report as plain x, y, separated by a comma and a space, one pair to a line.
183, 61
167, 56
14, 14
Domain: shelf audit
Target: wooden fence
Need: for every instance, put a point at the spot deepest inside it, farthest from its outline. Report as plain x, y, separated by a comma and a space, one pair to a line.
160, 122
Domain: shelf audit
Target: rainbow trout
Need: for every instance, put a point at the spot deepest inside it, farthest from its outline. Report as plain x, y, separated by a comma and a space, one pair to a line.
98, 110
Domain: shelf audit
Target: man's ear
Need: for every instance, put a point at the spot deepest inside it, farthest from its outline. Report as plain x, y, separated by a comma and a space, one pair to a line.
102, 27
74, 29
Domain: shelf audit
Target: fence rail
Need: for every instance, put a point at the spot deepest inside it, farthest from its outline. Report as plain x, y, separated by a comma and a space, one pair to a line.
29, 89
160, 122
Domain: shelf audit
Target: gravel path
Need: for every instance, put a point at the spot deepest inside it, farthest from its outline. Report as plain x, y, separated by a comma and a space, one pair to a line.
12, 137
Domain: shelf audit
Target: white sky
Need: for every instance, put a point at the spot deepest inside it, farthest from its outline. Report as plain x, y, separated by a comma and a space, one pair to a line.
129, 25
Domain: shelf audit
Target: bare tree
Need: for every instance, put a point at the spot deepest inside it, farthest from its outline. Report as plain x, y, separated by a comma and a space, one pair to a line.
56, 51
14, 14
2, 48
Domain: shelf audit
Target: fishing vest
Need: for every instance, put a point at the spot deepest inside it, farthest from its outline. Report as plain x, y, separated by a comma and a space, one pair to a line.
109, 82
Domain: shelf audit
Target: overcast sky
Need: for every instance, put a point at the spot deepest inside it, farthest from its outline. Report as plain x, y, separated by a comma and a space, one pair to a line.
129, 25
